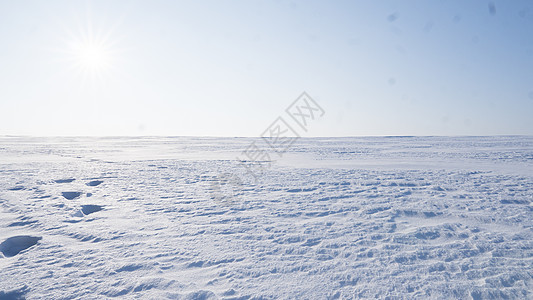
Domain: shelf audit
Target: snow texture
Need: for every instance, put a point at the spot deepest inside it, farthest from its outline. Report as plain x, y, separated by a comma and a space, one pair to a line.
333, 218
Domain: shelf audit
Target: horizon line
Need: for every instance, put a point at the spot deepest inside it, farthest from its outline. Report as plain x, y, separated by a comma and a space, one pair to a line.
215, 136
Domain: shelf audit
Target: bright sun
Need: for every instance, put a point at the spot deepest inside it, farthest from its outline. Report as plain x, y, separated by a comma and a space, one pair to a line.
91, 54
92, 57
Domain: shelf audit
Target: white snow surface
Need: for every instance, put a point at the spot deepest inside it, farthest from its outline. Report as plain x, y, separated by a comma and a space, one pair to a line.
333, 218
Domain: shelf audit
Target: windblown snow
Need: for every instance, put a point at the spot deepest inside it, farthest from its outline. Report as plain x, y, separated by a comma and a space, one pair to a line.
333, 218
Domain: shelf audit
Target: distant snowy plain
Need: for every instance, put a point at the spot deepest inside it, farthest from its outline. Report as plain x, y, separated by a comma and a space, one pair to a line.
333, 218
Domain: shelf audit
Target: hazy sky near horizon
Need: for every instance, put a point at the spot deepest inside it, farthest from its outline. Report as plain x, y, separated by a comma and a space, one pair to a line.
229, 68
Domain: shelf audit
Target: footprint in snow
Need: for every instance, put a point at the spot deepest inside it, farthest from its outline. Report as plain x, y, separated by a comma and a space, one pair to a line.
65, 180
71, 195
14, 294
95, 183
14, 245
90, 208
86, 210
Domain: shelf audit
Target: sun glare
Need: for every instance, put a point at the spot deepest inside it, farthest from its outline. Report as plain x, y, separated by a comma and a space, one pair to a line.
91, 53
92, 57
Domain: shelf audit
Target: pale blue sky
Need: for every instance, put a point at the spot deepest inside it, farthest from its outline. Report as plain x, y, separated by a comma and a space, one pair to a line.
229, 68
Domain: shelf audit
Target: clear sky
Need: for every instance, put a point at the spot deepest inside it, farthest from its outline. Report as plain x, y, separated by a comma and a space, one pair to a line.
229, 68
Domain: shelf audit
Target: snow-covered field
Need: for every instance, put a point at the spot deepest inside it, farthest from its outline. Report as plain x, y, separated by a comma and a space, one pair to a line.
334, 218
